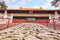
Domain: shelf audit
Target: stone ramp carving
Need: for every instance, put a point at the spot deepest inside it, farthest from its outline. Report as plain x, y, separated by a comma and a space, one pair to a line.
29, 31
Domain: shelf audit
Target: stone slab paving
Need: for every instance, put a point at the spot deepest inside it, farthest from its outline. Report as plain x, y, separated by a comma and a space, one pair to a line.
29, 31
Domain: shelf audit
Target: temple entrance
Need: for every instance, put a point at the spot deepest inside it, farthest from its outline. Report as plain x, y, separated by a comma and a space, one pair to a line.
41, 20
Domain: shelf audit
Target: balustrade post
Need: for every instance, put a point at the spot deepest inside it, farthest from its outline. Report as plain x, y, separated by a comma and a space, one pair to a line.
54, 23
8, 24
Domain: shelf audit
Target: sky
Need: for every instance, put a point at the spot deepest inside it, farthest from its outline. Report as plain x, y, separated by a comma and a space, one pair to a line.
15, 4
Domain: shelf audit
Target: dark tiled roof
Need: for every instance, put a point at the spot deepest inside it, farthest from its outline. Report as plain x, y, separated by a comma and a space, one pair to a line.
27, 11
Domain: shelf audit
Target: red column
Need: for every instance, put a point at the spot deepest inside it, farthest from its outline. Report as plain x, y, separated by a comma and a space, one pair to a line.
14, 22
59, 18
47, 23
